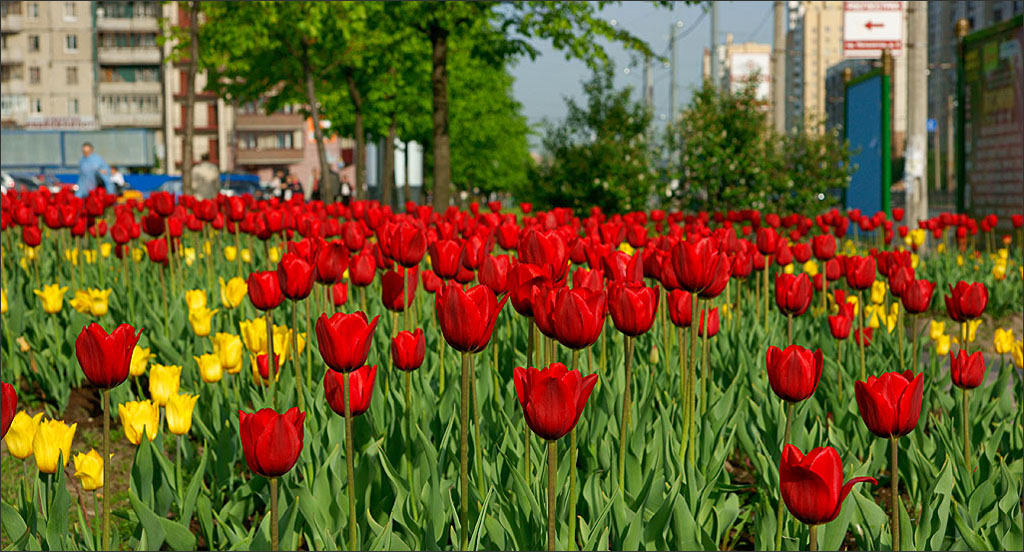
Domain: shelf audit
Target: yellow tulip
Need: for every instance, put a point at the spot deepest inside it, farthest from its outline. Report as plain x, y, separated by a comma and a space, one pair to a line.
936, 329
100, 301
179, 413
878, 292
1003, 340
52, 297
200, 320
81, 302
30, 253
246, 256
90, 256
140, 360
51, 443
163, 382
229, 351
189, 254
254, 335
89, 470
275, 255
811, 268
972, 329
233, 292
917, 236
999, 270
626, 248
1004, 253
195, 299
875, 315
106, 248
283, 342
230, 253
71, 255
209, 367
894, 314
960, 260
138, 254
138, 417
942, 345
788, 269
207, 248
1017, 354
3, 301
21, 433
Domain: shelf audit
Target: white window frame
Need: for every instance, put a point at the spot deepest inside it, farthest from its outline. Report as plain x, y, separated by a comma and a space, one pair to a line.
70, 11
33, 10
68, 39
35, 106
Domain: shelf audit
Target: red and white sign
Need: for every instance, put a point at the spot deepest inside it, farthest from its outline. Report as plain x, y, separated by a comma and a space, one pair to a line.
870, 27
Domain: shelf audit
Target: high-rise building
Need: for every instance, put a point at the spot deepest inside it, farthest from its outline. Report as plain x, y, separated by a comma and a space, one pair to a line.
127, 64
737, 63
814, 42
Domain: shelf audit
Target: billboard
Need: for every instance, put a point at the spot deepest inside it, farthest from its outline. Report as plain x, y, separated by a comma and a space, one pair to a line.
992, 72
867, 130
870, 27
744, 65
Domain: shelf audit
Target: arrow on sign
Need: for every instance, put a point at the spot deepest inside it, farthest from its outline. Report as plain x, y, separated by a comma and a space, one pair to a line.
871, 24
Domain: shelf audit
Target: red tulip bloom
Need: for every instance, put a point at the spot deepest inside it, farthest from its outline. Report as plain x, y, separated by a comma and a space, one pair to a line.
712, 323
344, 339
473, 252
793, 293
431, 283
360, 390
632, 307
331, 262
860, 272
967, 371
1017, 220
812, 486
680, 308
621, 267
793, 372
494, 273
824, 246
339, 294
271, 442
8, 406
700, 268
552, 398
767, 241
265, 290
352, 234
899, 278
408, 244
590, 279
467, 317
157, 250
917, 296
295, 277
263, 367
578, 316
966, 301
840, 324
391, 288
523, 281
546, 250
31, 235
891, 404
544, 309
863, 336
444, 258
408, 350
106, 359
833, 270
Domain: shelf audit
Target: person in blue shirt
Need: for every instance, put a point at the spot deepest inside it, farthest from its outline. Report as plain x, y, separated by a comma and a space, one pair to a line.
92, 170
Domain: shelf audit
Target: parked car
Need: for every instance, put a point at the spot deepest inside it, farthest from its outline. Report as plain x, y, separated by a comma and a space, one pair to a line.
19, 181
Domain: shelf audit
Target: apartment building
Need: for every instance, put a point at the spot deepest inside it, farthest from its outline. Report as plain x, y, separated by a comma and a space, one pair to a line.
814, 42
128, 64
739, 62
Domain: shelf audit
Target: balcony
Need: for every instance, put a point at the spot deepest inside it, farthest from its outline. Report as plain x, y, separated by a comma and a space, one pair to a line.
149, 55
148, 120
140, 87
146, 24
13, 86
12, 23
276, 121
269, 156
12, 56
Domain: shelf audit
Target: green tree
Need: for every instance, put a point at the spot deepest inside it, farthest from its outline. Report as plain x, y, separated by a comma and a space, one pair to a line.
600, 155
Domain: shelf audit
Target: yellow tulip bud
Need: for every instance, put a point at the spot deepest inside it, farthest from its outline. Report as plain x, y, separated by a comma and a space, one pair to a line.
228, 348
30, 253
233, 292
200, 320
179, 413
81, 302
942, 345
626, 248
254, 335
246, 256
878, 292
972, 329
89, 470
71, 255
163, 382
275, 255
51, 443
207, 248
21, 433
3, 301
811, 268
138, 418
1017, 353
138, 254
52, 297
106, 248
189, 254
195, 299
999, 270
140, 360
209, 367
90, 256
230, 253
936, 329
788, 269
100, 301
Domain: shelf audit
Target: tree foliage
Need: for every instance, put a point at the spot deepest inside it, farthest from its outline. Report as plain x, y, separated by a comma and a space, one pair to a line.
600, 155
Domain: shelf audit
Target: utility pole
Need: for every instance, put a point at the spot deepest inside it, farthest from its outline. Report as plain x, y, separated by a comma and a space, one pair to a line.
672, 61
648, 84
916, 170
714, 40
779, 69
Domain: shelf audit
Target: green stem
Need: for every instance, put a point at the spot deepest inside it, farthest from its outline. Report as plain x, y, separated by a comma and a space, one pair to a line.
552, 479
812, 544
967, 430
163, 289
705, 369
177, 470
309, 345
781, 509
839, 368
789, 328
900, 337
96, 516
914, 332
860, 342
571, 544
106, 469
478, 465
895, 483
349, 464
625, 411
295, 356
273, 514
530, 345
691, 394
682, 396
464, 454
409, 445
271, 361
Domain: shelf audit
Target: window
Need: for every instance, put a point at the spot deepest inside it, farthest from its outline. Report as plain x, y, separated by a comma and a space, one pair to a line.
71, 43
33, 10
69, 11
127, 40
34, 75
33, 43
130, 73
72, 106
130, 104
72, 75
37, 105
10, 8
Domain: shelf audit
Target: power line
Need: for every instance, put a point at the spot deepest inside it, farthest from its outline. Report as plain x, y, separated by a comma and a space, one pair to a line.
760, 25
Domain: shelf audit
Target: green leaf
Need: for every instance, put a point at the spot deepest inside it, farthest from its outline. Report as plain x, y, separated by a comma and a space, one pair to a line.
57, 517
193, 487
970, 537
14, 525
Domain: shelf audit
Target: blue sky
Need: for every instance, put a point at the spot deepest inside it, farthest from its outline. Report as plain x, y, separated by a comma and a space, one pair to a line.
542, 84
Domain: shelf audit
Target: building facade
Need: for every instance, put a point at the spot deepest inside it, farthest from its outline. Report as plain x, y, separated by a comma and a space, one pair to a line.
738, 63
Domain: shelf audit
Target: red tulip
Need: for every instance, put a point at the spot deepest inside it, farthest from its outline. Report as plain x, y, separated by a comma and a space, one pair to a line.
966, 301
833, 270
801, 252
891, 404
967, 371
467, 317
523, 281
863, 336
271, 442
547, 250
431, 283
106, 359
31, 235
544, 309
840, 324
339, 294
578, 316
391, 288
362, 269
767, 241
494, 273
860, 272
897, 214
444, 258
408, 350
621, 267
700, 268
917, 296
352, 234
344, 339
263, 367
793, 293
712, 320
473, 252
899, 278
8, 406
295, 277
331, 262
1017, 220
680, 308
824, 246
793, 372
265, 290
360, 390
632, 307
590, 279
157, 250
812, 486
408, 244
552, 398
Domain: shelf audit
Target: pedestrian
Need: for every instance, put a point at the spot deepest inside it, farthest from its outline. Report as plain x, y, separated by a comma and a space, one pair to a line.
92, 171
206, 179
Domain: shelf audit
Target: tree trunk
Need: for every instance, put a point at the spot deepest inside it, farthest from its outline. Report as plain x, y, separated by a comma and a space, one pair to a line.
360, 136
328, 184
190, 99
442, 145
387, 180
